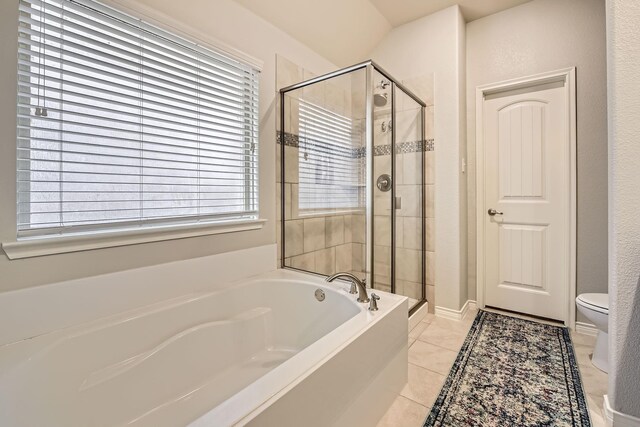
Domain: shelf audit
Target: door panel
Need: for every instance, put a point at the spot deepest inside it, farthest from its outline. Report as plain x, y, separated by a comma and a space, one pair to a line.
521, 155
527, 182
522, 256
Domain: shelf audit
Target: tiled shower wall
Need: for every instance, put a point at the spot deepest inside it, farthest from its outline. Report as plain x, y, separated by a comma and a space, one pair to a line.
322, 243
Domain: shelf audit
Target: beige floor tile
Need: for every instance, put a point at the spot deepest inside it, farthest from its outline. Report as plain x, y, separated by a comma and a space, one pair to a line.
449, 334
597, 420
431, 357
428, 318
596, 403
454, 325
415, 332
583, 354
594, 380
404, 413
470, 316
423, 385
583, 339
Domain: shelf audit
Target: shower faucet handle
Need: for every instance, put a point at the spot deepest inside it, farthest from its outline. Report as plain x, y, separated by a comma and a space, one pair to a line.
373, 303
353, 289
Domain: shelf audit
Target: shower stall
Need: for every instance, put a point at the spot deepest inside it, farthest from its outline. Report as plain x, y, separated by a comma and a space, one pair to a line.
352, 174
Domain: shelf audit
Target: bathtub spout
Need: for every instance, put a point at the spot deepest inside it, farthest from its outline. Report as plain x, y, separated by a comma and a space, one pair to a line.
361, 284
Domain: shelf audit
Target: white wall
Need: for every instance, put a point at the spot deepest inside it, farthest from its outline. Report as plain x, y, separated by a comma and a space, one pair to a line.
223, 20
434, 44
623, 68
539, 36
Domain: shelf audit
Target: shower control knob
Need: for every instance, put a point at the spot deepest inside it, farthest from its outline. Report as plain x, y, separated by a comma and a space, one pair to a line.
384, 182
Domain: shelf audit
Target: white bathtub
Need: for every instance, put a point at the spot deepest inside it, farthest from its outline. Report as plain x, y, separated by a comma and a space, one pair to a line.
262, 352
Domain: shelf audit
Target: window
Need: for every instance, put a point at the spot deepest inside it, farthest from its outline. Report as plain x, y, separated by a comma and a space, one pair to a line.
123, 125
331, 165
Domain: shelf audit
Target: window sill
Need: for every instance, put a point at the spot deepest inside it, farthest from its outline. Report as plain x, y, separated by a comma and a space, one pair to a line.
36, 247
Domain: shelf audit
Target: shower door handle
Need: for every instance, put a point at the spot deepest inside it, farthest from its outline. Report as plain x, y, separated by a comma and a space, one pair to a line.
398, 203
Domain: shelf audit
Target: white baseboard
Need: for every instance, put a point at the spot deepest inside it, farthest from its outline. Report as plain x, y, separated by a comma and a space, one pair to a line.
472, 304
418, 315
449, 313
586, 329
614, 418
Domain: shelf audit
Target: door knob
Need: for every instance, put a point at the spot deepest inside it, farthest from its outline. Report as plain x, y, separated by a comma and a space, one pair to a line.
493, 212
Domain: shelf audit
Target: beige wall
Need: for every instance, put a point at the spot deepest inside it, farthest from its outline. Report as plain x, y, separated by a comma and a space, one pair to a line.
223, 20
435, 45
539, 36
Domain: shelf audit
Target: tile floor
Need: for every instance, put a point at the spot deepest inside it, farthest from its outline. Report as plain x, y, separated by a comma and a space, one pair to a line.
433, 346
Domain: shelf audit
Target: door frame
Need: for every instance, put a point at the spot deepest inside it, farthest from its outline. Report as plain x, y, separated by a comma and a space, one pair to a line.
568, 77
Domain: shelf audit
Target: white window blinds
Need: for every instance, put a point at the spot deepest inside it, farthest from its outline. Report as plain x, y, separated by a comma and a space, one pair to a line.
121, 124
331, 165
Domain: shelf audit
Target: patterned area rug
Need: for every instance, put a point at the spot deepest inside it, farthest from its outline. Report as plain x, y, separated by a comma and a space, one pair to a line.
512, 372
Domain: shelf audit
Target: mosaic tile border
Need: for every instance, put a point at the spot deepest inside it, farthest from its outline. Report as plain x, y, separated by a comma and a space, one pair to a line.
290, 139
405, 147
293, 140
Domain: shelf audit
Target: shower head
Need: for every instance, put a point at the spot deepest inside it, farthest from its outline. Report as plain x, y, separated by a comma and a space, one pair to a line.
380, 100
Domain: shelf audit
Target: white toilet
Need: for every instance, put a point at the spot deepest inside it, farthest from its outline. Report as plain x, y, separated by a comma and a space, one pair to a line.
596, 308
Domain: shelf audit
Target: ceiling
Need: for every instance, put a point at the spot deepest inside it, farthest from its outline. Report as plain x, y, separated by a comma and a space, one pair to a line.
399, 12
343, 31
346, 31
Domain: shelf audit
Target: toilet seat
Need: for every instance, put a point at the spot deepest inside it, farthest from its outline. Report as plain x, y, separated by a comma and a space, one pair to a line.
595, 302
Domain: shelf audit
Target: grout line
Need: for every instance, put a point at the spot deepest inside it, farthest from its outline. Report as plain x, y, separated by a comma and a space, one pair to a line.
436, 372
427, 369
439, 346
416, 402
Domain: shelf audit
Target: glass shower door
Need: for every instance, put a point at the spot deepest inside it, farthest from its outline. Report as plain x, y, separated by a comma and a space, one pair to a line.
323, 175
383, 182
352, 178
408, 212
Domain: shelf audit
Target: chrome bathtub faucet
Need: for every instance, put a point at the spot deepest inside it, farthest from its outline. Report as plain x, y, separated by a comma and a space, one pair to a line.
355, 281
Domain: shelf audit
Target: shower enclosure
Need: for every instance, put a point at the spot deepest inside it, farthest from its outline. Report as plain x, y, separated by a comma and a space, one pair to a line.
352, 179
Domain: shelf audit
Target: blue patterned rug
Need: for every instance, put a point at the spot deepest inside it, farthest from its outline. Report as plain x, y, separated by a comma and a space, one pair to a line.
512, 372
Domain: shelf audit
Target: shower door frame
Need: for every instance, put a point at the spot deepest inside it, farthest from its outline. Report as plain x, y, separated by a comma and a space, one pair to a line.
369, 66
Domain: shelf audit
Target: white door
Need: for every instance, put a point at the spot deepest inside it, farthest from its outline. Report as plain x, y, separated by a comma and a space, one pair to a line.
527, 172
